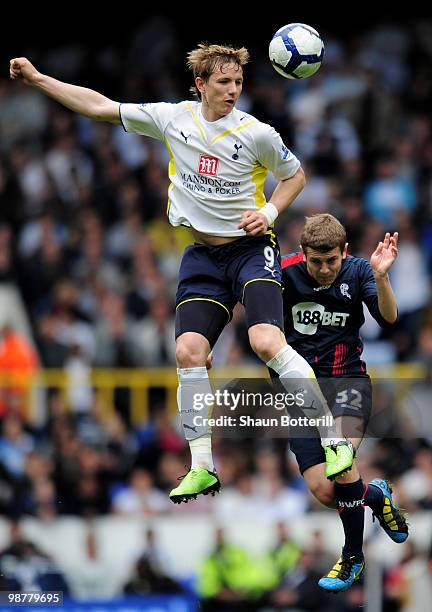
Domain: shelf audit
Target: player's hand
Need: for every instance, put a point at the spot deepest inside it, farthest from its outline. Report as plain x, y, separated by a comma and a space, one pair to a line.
253, 223
22, 69
385, 254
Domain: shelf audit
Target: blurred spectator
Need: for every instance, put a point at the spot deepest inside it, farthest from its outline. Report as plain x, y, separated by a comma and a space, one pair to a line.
52, 352
307, 107
42, 270
121, 446
69, 167
38, 495
329, 142
425, 348
416, 483
26, 568
82, 474
322, 558
283, 502
155, 334
269, 102
95, 576
71, 327
389, 193
92, 261
412, 288
23, 114
153, 552
44, 503
9, 493
140, 498
7, 268
91, 488
408, 583
39, 230
273, 502
230, 579
285, 554
150, 574
158, 437
115, 337
15, 445
146, 281
18, 364
16, 353
124, 234
79, 389
240, 501
299, 588
11, 197
33, 179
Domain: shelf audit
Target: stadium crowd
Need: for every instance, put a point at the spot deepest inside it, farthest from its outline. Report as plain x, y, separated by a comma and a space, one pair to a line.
88, 266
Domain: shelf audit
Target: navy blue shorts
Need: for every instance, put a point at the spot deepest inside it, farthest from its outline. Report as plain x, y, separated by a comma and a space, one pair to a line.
220, 274
346, 396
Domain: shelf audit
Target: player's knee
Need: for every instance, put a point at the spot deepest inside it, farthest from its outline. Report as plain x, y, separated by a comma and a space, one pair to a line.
323, 492
266, 340
192, 350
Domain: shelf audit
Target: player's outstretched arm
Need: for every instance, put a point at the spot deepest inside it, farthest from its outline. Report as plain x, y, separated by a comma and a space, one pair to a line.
381, 261
78, 99
257, 222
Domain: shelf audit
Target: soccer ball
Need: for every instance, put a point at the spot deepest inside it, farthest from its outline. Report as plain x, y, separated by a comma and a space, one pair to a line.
296, 51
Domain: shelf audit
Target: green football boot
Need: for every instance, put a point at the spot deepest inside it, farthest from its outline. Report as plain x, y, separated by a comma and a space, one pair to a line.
197, 481
339, 458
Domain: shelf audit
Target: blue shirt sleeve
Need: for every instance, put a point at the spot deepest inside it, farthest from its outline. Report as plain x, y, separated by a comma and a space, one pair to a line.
369, 293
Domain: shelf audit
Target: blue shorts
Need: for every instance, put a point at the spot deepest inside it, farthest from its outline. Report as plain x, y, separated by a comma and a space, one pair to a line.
346, 396
220, 274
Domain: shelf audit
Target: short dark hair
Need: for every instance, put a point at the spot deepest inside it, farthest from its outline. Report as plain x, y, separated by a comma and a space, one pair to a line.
323, 233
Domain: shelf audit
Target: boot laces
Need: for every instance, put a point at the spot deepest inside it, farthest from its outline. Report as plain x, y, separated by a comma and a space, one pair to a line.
346, 567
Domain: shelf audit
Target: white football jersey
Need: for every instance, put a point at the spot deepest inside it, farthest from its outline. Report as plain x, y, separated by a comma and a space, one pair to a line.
217, 168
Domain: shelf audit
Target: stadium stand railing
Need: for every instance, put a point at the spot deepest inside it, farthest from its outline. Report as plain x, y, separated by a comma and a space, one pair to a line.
140, 383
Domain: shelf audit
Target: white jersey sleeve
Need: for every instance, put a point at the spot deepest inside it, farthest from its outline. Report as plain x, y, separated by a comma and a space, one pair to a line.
147, 119
273, 154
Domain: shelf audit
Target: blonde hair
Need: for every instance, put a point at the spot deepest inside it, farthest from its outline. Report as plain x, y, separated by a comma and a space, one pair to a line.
204, 60
323, 233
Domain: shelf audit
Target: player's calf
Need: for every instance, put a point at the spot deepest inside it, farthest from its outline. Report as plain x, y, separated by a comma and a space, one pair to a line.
319, 486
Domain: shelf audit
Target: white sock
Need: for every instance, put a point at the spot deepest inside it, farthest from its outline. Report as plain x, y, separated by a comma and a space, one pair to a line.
201, 452
289, 364
193, 381
330, 441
